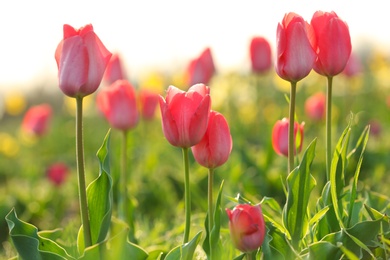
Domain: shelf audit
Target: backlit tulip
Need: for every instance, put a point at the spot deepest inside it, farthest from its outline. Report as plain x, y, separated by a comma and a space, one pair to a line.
332, 43
201, 69
354, 66
260, 55
294, 54
315, 106
81, 60
185, 115
247, 227
114, 70
57, 173
118, 104
280, 136
36, 120
148, 102
215, 147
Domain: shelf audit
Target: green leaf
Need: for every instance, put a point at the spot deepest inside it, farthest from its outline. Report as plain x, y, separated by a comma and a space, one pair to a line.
29, 244
186, 251
320, 249
300, 183
270, 252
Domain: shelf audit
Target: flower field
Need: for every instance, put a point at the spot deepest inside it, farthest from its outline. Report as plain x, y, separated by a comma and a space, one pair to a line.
150, 187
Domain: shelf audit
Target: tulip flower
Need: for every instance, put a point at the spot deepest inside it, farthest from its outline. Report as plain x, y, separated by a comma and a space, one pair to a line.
148, 101
332, 43
114, 70
280, 137
247, 227
215, 147
353, 67
57, 173
118, 104
36, 120
260, 55
315, 106
185, 115
81, 59
201, 69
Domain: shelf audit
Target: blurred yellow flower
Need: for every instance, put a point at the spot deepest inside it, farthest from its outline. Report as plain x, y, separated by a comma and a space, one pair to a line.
15, 103
8, 145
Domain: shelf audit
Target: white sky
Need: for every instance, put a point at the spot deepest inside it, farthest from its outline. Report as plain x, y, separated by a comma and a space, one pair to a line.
162, 33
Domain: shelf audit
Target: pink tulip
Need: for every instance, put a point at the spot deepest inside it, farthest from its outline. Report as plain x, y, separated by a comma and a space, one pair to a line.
114, 70
185, 115
354, 66
148, 101
215, 147
201, 69
315, 106
36, 119
118, 104
260, 55
247, 227
57, 173
332, 43
295, 54
280, 136
81, 59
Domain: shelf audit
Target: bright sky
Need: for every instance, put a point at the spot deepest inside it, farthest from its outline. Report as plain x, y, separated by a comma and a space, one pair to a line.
162, 33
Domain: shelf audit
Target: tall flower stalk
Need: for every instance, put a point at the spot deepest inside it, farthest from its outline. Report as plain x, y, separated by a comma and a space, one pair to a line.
187, 196
328, 133
291, 136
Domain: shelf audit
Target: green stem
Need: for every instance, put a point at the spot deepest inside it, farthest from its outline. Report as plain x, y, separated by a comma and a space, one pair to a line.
328, 127
250, 255
81, 173
123, 180
210, 208
291, 141
187, 196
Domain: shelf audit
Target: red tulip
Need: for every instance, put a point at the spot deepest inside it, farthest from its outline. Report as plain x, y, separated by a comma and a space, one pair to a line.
81, 59
247, 227
148, 101
36, 119
57, 173
201, 69
185, 115
260, 55
354, 66
295, 54
215, 147
280, 136
332, 43
114, 70
315, 106
118, 104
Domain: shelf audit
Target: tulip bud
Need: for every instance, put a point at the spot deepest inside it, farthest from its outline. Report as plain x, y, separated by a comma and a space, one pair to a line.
36, 119
247, 227
148, 101
201, 69
57, 173
215, 147
114, 70
260, 55
280, 137
315, 106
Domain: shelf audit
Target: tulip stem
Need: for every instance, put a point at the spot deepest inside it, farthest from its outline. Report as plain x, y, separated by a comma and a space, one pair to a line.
81, 173
328, 126
291, 141
187, 196
250, 255
210, 209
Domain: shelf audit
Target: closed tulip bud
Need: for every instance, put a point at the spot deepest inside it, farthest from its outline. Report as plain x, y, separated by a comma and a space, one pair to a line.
148, 101
280, 137
185, 115
57, 172
315, 106
215, 147
353, 67
260, 55
332, 43
294, 54
118, 104
114, 70
247, 227
36, 120
201, 69
81, 60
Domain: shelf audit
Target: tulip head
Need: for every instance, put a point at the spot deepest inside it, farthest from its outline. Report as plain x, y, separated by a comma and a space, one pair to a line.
201, 69
36, 120
215, 147
148, 102
57, 173
118, 104
260, 55
81, 60
332, 43
315, 106
247, 227
295, 54
114, 70
280, 137
185, 115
